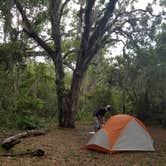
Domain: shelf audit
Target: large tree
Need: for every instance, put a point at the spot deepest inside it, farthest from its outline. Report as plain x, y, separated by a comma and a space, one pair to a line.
97, 24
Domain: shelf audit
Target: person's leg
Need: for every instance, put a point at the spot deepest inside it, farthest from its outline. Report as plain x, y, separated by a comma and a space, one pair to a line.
100, 119
96, 124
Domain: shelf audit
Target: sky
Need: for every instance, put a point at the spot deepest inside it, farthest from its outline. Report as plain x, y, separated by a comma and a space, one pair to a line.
143, 4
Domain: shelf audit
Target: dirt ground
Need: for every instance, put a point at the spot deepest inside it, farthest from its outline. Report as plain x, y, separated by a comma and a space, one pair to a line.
63, 147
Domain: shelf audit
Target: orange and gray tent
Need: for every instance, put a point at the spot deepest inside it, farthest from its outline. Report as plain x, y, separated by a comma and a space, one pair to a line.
121, 133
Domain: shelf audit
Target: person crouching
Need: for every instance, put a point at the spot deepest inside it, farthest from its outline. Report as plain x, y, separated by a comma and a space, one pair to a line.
99, 117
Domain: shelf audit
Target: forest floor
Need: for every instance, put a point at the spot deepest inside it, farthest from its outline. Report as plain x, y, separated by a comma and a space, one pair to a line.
63, 147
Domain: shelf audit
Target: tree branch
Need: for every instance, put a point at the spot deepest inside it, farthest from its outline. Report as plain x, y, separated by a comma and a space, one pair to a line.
100, 29
68, 65
86, 32
129, 35
29, 30
70, 52
105, 41
54, 11
35, 46
62, 8
87, 22
94, 45
100, 41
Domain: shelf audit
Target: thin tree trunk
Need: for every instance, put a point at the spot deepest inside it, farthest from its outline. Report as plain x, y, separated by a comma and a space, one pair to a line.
124, 101
164, 109
164, 113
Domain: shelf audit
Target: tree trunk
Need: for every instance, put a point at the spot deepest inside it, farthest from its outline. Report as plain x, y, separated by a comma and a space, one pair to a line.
163, 110
70, 102
124, 101
60, 89
143, 106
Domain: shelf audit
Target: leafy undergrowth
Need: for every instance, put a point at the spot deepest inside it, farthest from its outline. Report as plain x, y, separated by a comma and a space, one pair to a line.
63, 147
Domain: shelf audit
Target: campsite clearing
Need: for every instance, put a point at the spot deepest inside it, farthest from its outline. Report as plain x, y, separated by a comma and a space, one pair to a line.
63, 148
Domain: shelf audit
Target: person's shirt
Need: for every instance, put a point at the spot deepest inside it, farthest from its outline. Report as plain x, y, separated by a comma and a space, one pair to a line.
100, 112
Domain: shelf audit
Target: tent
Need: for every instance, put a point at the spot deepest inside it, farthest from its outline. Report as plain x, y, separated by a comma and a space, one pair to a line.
121, 133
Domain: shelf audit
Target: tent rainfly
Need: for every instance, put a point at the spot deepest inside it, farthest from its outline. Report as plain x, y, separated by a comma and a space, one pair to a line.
121, 133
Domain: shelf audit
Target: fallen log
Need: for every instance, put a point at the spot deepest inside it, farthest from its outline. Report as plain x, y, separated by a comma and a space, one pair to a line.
9, 142
38, 152
9, 145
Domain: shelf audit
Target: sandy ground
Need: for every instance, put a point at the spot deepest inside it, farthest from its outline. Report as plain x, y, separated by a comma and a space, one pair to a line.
63, 147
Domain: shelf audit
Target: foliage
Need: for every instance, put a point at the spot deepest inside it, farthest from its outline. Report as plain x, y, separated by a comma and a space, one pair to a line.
93, 25
133, 82
10, 54
21, 112
162, 2
140, 79
25, 111
25, 90
84, 116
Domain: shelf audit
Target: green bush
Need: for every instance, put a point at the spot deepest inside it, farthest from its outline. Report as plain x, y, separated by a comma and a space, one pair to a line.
84, 116
23, 112
98, 98
28, 103
28, 122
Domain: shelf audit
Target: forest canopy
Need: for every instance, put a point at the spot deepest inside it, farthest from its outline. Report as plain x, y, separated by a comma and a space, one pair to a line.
81, 70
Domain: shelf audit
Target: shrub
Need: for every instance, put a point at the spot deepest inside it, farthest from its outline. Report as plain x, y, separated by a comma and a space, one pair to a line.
27, 122
23, 112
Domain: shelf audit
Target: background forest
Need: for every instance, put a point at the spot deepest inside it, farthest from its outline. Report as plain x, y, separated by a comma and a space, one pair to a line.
133, 82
